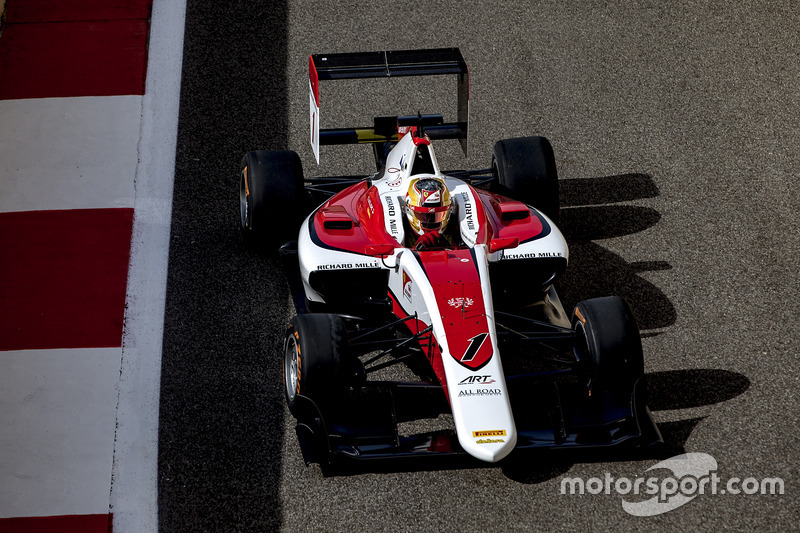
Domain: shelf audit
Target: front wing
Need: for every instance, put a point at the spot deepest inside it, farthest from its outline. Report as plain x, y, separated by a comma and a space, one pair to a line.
550, 414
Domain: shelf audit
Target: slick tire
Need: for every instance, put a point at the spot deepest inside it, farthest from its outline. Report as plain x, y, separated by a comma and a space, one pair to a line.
607, 341
316, 363
270, 198
524, 169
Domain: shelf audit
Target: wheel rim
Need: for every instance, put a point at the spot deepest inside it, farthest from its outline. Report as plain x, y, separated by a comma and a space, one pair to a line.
243, 199
290, 369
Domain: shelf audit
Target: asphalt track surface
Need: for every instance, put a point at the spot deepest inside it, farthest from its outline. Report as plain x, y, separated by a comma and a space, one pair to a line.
676, 128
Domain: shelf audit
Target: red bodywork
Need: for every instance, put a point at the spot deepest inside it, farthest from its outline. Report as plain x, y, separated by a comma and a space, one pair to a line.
457, 286
353, 220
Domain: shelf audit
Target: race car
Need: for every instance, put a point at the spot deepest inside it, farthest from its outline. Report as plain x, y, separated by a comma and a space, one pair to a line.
449, 273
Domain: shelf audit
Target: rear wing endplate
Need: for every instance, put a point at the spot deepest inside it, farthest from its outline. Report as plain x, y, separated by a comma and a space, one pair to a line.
387, 64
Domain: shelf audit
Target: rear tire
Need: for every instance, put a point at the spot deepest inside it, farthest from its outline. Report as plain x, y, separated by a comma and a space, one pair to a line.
525, 170
270, 198
317, 362
607, 341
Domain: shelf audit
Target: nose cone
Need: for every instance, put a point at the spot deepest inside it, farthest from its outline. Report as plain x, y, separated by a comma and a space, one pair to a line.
489, 446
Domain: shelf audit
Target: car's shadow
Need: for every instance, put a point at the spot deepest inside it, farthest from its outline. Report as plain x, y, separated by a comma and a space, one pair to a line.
668, 391
586, 216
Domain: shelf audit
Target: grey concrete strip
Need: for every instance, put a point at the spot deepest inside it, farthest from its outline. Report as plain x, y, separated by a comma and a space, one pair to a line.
133, 497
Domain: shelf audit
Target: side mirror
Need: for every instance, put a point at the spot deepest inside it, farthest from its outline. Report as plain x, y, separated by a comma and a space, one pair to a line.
503, 243
379, 249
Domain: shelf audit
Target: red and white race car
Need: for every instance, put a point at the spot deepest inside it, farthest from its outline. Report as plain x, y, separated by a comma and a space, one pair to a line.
473, 313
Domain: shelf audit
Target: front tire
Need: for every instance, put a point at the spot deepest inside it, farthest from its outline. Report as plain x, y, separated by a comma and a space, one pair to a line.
317, 362
607, 342
270, 197
525, 169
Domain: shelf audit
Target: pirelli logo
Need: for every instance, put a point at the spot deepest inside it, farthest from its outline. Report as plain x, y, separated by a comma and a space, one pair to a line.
489, 433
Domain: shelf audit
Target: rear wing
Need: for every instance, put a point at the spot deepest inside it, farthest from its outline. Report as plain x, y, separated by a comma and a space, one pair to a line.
387, 64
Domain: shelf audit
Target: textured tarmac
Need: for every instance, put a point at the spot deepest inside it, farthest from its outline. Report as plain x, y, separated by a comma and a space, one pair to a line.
676, 129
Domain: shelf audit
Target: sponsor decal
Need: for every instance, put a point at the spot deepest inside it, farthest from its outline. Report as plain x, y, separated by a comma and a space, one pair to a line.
477, 380
532, 255
344, 266
431, 197
474, 345
479, 392
468, 211
406, 286
490, 433
392, 212
489, 441
580, 316
460, 302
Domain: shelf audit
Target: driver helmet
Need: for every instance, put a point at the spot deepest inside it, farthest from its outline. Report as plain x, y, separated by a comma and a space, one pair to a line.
428, 205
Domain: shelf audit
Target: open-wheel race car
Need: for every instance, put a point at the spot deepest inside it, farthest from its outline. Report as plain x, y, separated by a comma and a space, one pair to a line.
444, 273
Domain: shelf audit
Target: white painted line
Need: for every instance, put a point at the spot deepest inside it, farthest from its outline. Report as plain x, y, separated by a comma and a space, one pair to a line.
134, 488
57, 412
68, 153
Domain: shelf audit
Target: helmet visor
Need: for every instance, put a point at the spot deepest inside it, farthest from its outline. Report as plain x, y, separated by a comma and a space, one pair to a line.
431, 217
